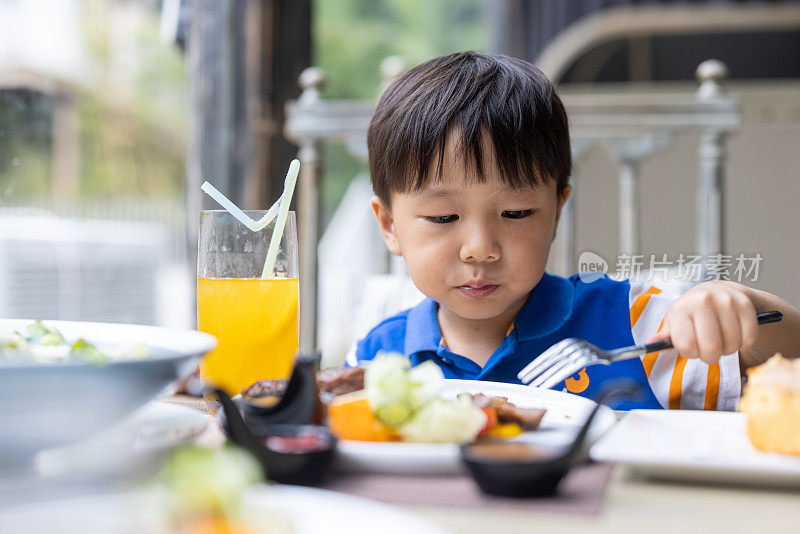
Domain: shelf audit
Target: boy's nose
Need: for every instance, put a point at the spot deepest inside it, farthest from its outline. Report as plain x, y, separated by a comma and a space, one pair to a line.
480, 245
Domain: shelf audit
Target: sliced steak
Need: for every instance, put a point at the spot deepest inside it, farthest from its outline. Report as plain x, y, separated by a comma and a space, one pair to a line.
266, 388
330, 383
507, 412
340, 380
527, 418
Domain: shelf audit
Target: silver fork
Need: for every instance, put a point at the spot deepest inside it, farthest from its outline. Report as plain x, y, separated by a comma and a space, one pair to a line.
567, 357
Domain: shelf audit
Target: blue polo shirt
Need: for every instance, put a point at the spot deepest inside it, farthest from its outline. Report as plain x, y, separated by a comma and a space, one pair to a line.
557, 308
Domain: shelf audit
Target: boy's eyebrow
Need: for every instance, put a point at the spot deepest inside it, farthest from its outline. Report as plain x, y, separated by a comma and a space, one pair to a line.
446, 193
434, 194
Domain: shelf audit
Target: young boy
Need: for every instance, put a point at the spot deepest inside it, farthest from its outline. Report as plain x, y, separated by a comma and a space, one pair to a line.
470, 162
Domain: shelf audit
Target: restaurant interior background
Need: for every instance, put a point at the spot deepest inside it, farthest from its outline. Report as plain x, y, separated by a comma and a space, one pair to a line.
113, 112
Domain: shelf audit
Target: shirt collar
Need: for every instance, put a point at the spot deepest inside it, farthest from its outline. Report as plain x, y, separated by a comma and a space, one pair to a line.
548, 307
422, 328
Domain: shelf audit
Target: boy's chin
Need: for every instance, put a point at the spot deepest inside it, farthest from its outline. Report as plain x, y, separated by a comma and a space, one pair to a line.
477, 310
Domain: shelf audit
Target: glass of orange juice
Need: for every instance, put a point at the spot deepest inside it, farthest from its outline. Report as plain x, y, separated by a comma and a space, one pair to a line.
252, 314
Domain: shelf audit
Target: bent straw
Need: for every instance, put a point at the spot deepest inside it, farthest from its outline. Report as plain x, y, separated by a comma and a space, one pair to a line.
234, 210
280, 223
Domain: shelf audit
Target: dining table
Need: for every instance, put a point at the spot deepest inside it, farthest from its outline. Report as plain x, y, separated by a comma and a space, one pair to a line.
636, 504
633, 502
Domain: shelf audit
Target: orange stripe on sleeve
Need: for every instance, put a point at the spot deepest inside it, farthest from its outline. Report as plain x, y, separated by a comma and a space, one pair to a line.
648, 362
649, 359
712, 387
676, 384
640, 303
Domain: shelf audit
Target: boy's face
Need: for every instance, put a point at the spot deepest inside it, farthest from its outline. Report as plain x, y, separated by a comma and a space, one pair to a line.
476, 248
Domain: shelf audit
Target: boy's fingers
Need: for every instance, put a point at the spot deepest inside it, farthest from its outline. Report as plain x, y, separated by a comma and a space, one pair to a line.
730, 327
748, 323
663, 331
658, 336
681, 329
709, 334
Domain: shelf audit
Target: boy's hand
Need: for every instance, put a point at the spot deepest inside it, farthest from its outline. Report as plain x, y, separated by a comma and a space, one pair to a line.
710, 320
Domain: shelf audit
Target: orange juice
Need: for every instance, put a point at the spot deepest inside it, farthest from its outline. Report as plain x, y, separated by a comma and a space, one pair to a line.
255, 323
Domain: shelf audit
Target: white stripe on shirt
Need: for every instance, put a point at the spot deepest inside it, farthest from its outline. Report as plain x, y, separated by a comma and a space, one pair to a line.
694, 380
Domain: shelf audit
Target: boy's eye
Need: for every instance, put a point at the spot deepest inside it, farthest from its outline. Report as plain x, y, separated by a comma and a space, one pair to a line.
442, 219
516, 214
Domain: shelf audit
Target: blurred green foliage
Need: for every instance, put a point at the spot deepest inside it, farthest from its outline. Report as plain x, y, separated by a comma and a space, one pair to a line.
352, 37
131, 101
133, 119
131, 113
25, 163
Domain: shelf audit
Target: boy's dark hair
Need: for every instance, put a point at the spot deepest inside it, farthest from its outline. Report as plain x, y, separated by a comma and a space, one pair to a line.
507, 98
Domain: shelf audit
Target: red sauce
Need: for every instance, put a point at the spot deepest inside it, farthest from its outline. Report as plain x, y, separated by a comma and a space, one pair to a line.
296, 444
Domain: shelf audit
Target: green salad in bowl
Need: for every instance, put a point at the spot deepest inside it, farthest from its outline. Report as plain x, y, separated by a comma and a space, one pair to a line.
62, 381
40, 343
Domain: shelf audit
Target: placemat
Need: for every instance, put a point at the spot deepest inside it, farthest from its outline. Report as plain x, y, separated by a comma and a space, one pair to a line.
582, 491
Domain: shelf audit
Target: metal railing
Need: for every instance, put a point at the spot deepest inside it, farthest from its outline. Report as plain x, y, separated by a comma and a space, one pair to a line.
169, 213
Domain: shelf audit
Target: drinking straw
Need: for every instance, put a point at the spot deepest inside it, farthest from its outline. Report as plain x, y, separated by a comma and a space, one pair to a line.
280, 223
234, 210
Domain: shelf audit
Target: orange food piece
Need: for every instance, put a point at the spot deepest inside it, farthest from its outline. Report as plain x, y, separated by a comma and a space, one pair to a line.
350, 417
491, 421
215, 525
505, 430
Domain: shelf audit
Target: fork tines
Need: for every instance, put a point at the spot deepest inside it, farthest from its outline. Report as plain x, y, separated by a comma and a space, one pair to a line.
563, 359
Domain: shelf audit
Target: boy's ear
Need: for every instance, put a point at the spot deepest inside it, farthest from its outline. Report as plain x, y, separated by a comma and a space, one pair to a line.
386, 224
561, 201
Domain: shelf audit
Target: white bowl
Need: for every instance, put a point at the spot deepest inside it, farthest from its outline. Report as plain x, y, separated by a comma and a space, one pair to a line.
49, 405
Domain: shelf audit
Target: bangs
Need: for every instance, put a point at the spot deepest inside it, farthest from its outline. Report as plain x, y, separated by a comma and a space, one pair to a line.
493, 102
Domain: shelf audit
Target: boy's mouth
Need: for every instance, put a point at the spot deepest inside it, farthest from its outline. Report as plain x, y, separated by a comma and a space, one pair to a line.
477, 290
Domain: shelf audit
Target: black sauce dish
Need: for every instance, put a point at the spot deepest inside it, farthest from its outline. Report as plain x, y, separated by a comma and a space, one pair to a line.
516, 469
298, 403
289, 453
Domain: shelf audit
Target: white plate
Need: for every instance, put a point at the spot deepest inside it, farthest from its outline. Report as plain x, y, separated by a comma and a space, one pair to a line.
316, 511
694, 445
283, 510
141, 439
565, 414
